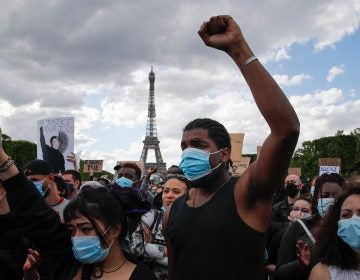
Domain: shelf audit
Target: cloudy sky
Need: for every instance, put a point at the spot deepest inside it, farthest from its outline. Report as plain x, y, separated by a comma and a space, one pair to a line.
90, 59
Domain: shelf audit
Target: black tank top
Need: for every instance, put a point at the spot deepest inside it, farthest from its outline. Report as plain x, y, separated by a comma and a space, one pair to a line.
213, 242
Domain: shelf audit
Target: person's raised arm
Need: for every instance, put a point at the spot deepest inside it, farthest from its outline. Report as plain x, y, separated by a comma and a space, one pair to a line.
259, 182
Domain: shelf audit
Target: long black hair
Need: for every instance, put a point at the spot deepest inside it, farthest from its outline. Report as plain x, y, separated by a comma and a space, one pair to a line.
330, 249
96, 204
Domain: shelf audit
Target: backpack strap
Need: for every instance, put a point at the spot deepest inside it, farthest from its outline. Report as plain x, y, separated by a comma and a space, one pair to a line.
307, 231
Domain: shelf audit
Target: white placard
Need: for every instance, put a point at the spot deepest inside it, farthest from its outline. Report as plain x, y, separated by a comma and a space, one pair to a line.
329, 169
55, 141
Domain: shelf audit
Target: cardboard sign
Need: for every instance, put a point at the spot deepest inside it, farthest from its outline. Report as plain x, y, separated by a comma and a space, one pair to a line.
55, 142
93, 165
329, 165
329, 169
329, 162
294, 170
240, 166
237, 140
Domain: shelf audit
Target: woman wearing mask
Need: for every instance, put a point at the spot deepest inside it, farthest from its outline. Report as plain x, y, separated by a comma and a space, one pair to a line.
338, 249
289, 266
327, 188
88, 245
147, 241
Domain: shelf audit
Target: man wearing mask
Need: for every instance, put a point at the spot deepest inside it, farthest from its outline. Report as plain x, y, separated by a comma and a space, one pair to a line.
217, 229
40, 173
128, 175
281, 210
73, 180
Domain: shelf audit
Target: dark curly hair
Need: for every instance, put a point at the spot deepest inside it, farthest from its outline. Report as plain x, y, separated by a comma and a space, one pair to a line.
330, 249
216, 131
326, 178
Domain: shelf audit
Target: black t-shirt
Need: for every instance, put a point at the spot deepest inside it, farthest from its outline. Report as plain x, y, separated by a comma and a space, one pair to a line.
142, 272
212, 242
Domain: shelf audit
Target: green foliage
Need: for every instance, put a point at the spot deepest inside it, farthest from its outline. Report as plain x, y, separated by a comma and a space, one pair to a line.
345, 147
19, 150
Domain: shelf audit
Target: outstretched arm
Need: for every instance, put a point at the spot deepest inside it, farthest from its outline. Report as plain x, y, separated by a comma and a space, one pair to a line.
42, 140
259, 182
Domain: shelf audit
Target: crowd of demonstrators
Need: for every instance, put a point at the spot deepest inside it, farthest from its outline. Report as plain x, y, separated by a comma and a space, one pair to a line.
290, 249
88, 245
194, 221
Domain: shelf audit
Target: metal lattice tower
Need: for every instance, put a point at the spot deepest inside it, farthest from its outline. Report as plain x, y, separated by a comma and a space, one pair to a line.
151, 141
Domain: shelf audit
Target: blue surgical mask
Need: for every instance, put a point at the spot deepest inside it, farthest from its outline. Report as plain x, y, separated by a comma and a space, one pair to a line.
88, 250
195, 163
323, 205
124, 182
349, 232
39, 186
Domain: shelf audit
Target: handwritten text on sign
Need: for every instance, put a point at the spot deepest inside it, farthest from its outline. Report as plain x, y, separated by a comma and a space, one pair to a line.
329, 169
92, 165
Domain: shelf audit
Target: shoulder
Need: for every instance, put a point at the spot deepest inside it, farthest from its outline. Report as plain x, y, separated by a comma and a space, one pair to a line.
320, 271
142, 272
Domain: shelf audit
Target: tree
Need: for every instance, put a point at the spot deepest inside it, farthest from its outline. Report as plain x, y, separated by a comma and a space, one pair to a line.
19, 150
346, 147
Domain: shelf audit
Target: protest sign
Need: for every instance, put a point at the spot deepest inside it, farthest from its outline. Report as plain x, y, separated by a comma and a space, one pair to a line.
55, 142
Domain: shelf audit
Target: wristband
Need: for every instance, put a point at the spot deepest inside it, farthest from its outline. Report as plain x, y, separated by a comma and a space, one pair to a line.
249, 60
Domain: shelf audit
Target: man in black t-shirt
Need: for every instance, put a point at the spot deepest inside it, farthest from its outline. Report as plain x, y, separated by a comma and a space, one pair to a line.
217, 230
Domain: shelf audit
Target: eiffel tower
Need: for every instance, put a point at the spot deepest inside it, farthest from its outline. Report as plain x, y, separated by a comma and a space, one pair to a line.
151, 140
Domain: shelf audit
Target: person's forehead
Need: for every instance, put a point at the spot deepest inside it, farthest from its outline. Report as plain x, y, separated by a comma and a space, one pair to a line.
352, 202
81, 219
331, 187
302, 204
127, 170
175, 183
292, 178
67, 177
196, 134
36, 177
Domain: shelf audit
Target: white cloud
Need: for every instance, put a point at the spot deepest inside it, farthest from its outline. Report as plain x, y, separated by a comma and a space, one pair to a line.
284, 80
334, 72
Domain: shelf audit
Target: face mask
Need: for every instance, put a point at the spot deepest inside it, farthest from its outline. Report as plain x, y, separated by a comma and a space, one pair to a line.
323, 205
291, 190
349, 232
88, 250
39, 186
69, 187
312, 191
124, 182
307, 216
195, 163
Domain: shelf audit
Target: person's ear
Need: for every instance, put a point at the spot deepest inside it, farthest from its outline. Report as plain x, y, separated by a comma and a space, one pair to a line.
225, 155
115, 231
50, 179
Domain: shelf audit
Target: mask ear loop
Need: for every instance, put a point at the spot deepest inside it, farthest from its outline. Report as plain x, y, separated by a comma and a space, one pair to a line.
112, 242
219, 164
42, 183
